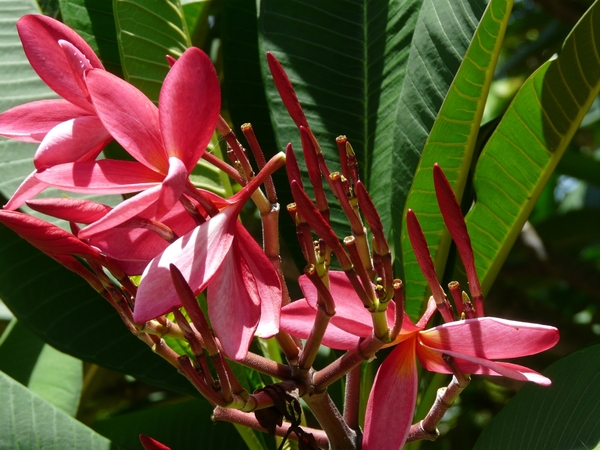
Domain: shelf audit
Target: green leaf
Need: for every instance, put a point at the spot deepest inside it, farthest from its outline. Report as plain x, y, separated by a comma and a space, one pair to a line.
528, 143
182, 425
27, 422
347, 62
148, 31
97, 26
451, 144
65, 312
53, 375
564, 416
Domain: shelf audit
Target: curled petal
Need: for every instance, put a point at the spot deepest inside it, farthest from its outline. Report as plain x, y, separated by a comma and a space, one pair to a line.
189, 105
28, 189
32, 121
152, 444
79, 139
491, 338
172, 186
286, 91
123, 212
40, 35
392, 400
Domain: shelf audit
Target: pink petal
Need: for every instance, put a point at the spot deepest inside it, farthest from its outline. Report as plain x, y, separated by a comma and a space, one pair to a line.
172, 186
74, 140
130, 117
297, 319
106, 176
189, 104
198, 255
392, 400
491, 338
233, 304
350, 314
432, 360
134, 248
123, 212
40, 35
267, 281
32, 121
28, 189
70, 209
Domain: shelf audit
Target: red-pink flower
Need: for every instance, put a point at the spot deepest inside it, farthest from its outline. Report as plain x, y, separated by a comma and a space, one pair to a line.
474, 344
68, 129
167, 141
244, 292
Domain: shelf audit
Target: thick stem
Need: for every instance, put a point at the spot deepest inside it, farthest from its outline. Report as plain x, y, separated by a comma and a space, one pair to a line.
341, 436
352, 398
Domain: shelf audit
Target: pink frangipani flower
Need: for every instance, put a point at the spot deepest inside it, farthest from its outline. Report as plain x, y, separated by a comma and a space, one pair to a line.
167, 141
474, 344
68, 129
244, 291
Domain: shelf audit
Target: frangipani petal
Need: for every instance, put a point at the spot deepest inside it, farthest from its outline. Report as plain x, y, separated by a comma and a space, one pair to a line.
40, 35
350, 313
189, 105
130, 117
28, 189
198, 255
233, 304
392, 400
79, 139
32, 121
106, 176
267, 281
491, 338
297, 319
123, 212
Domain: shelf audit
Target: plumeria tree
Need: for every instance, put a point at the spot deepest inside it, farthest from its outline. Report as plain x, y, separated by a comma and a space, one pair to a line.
353, 320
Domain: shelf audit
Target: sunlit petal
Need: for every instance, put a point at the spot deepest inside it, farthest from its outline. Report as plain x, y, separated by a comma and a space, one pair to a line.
392, 400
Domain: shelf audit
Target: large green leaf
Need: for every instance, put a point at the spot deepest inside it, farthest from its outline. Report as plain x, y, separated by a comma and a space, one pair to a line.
148, 31
97, 26
69, 315
53, 375
28, 422
528, 143
564, 416
184, 425
347, 62
451, 144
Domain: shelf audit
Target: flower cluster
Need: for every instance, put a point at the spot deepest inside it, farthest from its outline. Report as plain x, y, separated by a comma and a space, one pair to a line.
184, 240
